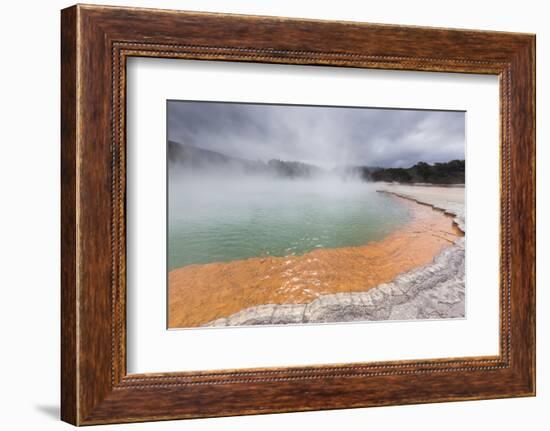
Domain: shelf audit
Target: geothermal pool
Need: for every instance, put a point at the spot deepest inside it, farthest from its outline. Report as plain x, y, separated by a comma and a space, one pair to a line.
218, 220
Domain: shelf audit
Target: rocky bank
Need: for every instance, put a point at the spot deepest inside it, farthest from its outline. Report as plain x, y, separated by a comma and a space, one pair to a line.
433, 291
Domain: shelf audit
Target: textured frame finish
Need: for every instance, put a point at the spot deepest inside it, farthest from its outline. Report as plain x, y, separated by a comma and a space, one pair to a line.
95, 42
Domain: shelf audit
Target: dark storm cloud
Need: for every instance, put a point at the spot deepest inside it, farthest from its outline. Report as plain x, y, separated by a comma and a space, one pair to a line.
327, 136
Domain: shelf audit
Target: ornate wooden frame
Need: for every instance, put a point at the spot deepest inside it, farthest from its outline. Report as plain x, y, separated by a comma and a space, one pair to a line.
95, 42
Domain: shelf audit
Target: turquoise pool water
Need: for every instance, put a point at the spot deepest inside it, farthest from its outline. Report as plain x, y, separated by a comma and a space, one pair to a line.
217, 220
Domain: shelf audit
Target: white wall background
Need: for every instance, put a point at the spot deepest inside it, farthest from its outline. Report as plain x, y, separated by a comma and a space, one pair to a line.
29, 215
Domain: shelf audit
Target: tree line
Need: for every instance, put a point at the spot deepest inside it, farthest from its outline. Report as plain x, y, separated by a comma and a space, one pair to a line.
452, 172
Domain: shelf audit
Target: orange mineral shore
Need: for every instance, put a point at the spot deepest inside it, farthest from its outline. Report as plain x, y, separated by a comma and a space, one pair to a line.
198, 294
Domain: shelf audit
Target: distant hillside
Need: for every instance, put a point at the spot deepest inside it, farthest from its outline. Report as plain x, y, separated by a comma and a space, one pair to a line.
200, 159
190, 155
196, 158
452, 172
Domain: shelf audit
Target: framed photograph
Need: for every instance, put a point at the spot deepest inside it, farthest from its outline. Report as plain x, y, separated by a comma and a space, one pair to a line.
263, 214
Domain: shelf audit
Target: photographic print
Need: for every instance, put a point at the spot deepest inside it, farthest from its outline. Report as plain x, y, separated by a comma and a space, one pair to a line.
294, 214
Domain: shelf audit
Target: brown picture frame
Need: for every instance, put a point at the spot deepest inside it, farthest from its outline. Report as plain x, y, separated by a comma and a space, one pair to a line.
95, 43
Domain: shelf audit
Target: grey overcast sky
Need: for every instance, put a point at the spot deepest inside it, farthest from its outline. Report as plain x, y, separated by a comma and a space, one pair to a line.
326, 136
